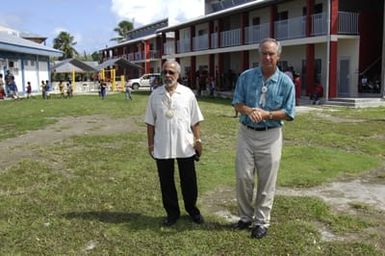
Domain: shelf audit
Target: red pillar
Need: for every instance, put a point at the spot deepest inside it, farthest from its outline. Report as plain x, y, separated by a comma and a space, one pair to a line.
333, 61
309, 68
211, 65
244, 54
273, 17
147, 56
309, 12
192, 36
192, 76
220, 69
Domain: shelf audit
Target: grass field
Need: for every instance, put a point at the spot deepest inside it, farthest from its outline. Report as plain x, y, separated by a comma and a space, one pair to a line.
98, 194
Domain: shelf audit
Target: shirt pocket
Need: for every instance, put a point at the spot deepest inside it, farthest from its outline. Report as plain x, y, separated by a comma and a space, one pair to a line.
275, 103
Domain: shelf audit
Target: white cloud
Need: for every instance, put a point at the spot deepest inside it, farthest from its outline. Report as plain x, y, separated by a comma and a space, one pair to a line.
148, 11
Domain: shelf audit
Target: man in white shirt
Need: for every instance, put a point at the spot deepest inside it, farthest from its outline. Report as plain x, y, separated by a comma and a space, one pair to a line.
173, 132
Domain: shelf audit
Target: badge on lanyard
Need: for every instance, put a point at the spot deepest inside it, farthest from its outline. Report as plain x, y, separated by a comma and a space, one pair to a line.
262, 99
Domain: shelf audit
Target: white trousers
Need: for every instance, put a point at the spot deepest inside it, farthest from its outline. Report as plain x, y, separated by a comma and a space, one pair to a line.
258, 154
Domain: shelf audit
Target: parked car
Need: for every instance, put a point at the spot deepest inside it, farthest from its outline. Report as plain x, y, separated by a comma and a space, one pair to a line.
143, 81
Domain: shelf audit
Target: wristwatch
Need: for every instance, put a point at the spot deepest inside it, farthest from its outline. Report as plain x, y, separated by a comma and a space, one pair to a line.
270, 115
198, 141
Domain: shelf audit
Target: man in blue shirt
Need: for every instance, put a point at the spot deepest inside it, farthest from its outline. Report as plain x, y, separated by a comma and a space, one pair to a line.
265, 97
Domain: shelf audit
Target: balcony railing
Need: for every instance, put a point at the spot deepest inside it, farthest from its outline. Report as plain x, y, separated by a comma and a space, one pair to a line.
290, 28
214, 40
169, 48
254, 34
201, 43
348, 23
139, 56
231, 38
284, 30
319, 24
295, 27
153, 54
183, 46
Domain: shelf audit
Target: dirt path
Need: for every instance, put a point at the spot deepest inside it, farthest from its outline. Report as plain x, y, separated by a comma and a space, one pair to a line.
14, 149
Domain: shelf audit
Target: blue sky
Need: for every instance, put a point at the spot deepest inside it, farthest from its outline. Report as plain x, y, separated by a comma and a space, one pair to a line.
91, 22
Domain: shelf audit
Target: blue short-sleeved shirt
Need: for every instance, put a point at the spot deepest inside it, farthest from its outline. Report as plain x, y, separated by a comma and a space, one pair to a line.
279, 96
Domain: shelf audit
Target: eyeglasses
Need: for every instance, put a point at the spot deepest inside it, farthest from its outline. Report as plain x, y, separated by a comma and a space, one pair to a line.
165, 72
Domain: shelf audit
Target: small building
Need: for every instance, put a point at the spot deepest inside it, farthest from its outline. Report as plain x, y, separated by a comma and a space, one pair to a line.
27, 60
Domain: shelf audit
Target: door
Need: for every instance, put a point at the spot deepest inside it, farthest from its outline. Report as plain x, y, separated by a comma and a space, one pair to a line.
344, 78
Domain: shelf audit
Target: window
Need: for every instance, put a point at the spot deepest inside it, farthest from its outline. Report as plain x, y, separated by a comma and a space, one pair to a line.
256, 21
282, 15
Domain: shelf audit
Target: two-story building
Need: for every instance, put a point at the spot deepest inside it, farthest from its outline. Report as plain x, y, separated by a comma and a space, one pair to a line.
336, 42
142, 47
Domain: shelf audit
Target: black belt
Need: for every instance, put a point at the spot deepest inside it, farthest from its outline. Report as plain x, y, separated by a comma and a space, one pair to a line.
260, 128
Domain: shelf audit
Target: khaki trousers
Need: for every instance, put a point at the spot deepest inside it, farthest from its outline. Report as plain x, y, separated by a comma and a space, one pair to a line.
258, 154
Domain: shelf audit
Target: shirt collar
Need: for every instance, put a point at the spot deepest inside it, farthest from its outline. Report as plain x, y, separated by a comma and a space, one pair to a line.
273, 78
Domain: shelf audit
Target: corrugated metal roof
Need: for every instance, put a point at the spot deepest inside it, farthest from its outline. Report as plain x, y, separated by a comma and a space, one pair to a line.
69, 65
13, 43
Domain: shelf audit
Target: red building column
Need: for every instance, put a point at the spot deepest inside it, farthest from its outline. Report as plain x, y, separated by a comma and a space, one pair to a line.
244, 54
309, 68
273, 17
211, 65
192, 36
333, 44
309, 12
192, 75
147, 56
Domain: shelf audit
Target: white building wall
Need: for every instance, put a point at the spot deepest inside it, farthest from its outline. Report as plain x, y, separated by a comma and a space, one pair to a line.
30, 74
184, 63
263, 14
43, 71
348, 49
202, 60
294, 8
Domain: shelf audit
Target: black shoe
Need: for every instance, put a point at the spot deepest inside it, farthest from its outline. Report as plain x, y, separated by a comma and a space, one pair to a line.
198, 219
258, 232
169, 222
242, 224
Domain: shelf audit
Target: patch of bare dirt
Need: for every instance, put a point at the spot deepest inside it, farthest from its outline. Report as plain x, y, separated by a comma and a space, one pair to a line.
14, 149
347, 196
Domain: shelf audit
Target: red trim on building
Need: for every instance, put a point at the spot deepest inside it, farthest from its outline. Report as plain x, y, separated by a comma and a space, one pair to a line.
273, 17
147, 65
309, 68
192, 36
333, 70
192, 75
309, 13
334, 17
211, 65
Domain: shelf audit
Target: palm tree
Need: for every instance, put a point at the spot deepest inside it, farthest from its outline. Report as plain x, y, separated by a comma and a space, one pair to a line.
122, 29
65, 42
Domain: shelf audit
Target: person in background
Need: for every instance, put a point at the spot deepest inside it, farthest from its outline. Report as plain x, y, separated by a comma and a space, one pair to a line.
13, 91
298, 88
61, 89
128, 91
2, 89
317, 93
265, 97
173, 133
29, 89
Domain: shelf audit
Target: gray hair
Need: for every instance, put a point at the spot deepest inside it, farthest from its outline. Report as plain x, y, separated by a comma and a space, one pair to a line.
173, 62
269, 39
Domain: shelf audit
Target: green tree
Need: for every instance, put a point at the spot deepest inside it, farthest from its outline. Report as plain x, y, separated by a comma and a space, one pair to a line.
122, 29
96, 56
65, 42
